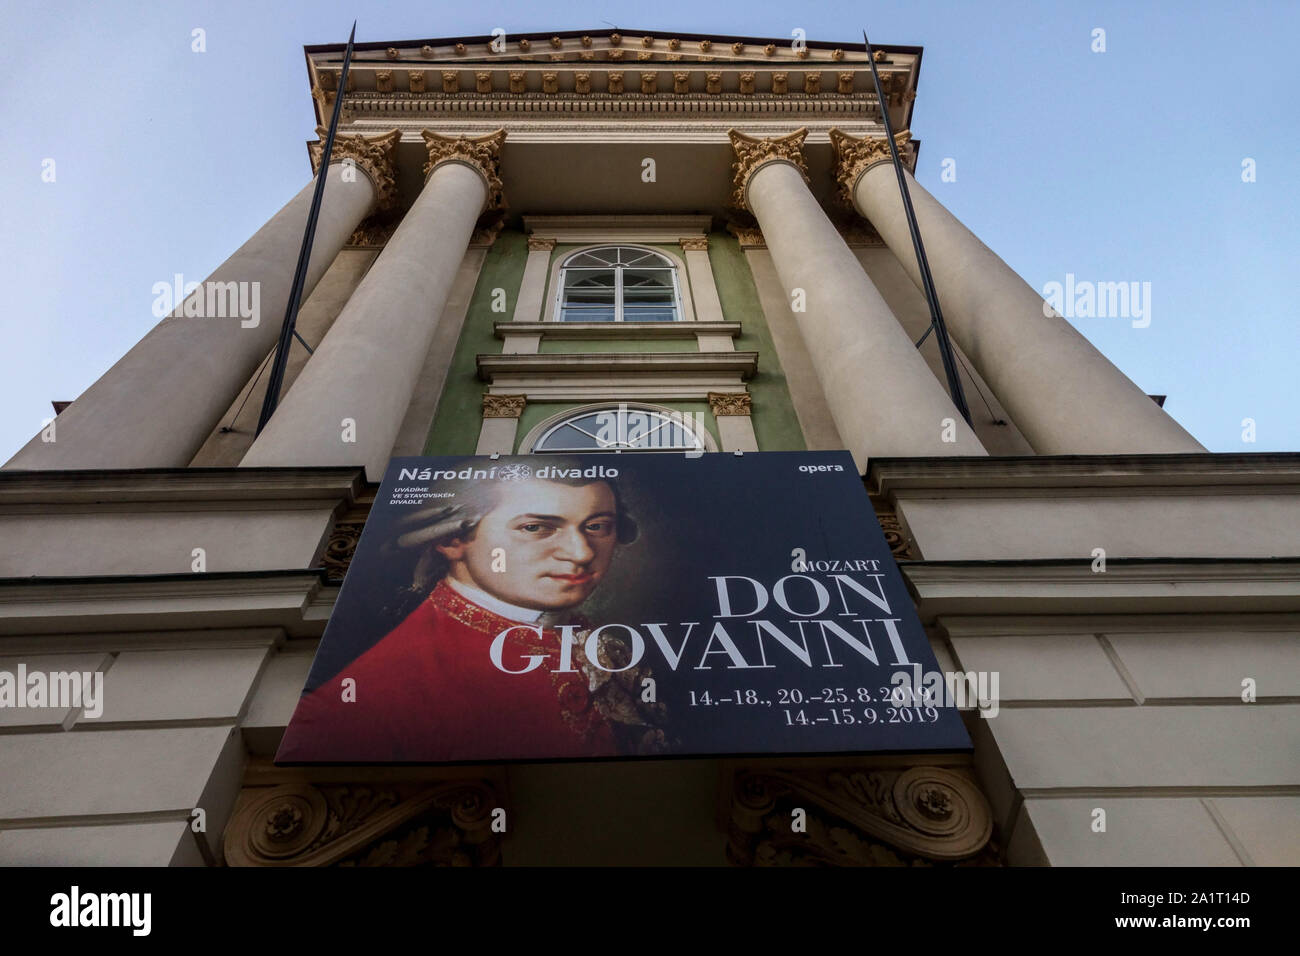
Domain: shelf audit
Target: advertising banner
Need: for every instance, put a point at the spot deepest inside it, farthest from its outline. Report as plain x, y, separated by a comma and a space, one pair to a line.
620, 605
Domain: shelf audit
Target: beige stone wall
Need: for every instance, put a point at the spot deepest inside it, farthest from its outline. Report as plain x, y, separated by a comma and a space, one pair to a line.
121, 789
1121, 690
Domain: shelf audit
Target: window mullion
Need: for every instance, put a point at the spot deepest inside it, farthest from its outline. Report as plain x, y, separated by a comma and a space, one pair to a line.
618, 293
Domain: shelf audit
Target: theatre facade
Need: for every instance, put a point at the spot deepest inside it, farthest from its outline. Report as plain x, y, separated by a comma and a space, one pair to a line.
689, 245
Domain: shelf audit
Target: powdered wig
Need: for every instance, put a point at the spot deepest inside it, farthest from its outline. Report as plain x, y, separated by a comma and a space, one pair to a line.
421, 531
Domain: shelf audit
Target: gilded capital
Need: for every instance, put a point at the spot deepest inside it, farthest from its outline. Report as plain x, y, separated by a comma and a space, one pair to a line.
483, 153
694, 243
753, 153
853, 156
373, 155
536, 244
503, 406
730, 403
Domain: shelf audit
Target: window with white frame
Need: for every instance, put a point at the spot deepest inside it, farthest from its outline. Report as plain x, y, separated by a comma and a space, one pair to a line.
619, 284
624, 427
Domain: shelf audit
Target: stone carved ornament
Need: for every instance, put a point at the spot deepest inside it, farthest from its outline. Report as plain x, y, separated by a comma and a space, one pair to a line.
916, 816
853, 156
373, 155
481, 152
751, 153
504, 406
399, 824
730, 403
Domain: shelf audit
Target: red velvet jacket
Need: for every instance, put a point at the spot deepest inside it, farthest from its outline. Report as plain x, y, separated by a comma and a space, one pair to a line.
428, 692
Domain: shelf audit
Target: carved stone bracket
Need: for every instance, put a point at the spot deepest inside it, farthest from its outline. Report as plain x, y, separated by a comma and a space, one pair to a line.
483, 153
343, 538
860, 816
730, 403
900, 545
373, 155
504, 406
853, 156
753, 153
446, 823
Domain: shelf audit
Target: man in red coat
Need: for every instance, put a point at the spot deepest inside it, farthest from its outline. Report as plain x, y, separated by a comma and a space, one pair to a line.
478, 671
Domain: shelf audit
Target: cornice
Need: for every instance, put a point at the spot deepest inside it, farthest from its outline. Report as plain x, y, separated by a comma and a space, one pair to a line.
616, 330
1129, 586
617, 363
69, 606
1048, 475
242, 488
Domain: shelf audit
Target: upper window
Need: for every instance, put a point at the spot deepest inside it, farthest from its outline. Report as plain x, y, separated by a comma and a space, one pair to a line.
619, 284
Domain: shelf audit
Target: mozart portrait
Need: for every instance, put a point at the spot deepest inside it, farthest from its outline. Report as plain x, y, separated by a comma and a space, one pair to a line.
498, 570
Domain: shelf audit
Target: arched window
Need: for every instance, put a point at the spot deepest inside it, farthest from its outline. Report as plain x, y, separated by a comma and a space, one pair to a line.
619, 284
623, 427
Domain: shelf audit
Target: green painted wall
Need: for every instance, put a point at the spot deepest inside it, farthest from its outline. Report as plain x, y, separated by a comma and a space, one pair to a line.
456, 424
459, 417
775, 424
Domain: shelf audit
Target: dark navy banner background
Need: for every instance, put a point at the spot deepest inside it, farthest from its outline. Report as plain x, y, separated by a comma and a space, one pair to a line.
737, 687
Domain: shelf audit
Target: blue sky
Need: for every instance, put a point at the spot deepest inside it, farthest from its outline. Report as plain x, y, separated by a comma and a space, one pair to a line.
1117, 166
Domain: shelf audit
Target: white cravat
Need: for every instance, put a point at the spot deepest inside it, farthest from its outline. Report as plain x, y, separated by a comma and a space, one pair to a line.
484, 600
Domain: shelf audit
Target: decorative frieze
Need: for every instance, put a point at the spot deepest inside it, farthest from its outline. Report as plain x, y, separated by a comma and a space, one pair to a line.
854, 156
730, 403
753, 153
481, 152
373, 155
503, 406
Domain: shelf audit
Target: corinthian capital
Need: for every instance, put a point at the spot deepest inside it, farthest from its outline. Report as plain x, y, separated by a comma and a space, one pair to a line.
481, 152
373, 155
854, 156
751, 153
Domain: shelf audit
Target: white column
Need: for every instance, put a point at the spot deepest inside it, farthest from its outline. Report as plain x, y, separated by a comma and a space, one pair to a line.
731, 410
883, 398
347, 405
159, 403
500, 424
532, 289
1064, 395
700, 272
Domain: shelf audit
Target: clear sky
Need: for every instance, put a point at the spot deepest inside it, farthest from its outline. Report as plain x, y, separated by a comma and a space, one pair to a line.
1117, 166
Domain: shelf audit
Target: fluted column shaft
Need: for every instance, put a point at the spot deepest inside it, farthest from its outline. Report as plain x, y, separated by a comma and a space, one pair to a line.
347, 405
1063, 394
883, 398
158, 404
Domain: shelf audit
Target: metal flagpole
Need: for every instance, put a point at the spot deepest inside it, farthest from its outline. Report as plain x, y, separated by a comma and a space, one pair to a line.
287, 330
927, 282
